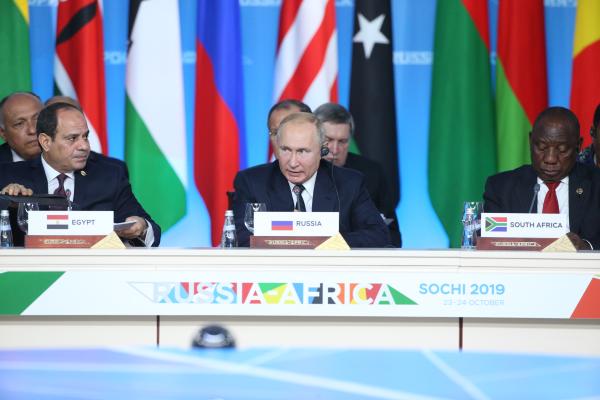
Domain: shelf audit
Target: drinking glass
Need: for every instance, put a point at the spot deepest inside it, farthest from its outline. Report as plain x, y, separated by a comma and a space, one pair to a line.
23, 214
251, 208
471, 223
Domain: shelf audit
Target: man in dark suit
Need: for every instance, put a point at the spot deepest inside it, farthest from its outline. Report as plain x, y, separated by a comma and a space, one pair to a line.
591, 154
18, 115
338, 125
564, 185
65, 168
300, 180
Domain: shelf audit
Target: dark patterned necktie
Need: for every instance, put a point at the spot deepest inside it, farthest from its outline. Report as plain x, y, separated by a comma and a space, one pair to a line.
60, 191
298, 189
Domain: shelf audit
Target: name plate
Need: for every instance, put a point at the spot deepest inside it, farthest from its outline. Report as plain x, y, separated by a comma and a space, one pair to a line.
516, 225
296, 223
69, 223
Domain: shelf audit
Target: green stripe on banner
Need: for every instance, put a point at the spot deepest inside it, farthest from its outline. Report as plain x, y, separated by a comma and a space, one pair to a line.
18, 290
151, 173
513, 126
14, 46
400, 298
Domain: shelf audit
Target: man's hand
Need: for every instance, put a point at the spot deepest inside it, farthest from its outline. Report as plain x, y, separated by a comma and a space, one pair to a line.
578, 242
14, 189
137, 230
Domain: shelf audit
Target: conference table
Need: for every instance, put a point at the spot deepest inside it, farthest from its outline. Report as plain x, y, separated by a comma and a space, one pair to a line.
509, 301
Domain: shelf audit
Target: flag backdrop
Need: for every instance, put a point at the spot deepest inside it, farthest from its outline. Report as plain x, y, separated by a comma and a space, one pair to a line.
372, 99
219, 110
306, 65
155, 121
585, 86
14, 47
521, 82
79, 63
461, 133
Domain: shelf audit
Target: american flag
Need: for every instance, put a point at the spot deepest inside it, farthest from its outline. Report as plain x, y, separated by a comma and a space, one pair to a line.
306, 67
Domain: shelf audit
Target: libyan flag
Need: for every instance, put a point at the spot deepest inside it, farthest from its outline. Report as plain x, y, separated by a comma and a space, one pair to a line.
372, 100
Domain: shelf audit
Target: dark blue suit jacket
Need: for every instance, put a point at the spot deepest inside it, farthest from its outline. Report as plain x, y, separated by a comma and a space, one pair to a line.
360, 222
512, 191
101, 186
5, 153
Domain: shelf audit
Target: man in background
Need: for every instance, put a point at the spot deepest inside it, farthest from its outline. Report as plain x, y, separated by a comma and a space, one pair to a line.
278, 112
591, 154
18, 117
565, 186
338, 125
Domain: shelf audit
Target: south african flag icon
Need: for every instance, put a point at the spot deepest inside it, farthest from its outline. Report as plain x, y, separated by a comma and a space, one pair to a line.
496, 224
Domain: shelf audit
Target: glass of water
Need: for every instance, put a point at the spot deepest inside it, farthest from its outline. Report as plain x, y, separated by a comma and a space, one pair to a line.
251, 208
23, 214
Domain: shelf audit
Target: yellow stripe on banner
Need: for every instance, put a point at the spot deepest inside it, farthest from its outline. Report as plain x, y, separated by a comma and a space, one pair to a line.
587, 27
23, 9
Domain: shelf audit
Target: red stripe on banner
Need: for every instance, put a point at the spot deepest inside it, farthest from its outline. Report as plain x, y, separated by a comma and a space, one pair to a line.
289, 12
589, 304
83, 58
522, 49
57, 217
216, 144
333, 92
313, 57
478, 10
585, 88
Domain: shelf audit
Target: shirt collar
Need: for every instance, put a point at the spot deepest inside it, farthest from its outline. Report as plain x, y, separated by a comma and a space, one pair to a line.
16, 157
564, 180
309, 185
51, 173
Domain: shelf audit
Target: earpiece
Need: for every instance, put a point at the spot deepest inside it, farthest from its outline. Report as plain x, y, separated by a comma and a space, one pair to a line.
324, 151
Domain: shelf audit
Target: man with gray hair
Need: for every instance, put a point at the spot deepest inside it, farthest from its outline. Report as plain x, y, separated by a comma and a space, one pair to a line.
300, 180
338, 125
18, 117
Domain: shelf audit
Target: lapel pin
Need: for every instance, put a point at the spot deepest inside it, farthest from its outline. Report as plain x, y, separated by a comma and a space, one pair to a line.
83, 173
579, 191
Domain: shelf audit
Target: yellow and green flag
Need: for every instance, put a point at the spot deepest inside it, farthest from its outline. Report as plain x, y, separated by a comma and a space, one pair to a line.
15, 71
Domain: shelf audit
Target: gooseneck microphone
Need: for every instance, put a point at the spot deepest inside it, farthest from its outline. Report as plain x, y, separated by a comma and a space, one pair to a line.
536, 189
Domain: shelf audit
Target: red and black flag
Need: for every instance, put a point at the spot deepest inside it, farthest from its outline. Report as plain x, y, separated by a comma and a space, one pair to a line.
79, 63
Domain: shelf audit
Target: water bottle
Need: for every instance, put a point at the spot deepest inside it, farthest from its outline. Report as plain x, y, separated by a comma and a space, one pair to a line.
6, 239
229, 237
471, 224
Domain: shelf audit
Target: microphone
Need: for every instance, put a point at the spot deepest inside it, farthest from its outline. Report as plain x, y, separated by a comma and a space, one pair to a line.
337, 195
536, 189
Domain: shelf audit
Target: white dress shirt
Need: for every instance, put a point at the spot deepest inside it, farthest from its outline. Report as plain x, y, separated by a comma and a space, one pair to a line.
52, 178
307, 193
16, 157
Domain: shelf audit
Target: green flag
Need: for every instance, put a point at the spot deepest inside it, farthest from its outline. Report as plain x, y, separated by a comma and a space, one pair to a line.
14, 47
461, 139
155, 122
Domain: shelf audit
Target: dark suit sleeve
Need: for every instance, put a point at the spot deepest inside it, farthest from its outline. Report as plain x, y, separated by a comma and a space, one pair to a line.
126, 205
492, 201
242, 196
367, 226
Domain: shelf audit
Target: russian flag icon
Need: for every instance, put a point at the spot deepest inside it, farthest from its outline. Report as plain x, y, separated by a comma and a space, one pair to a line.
282, 225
